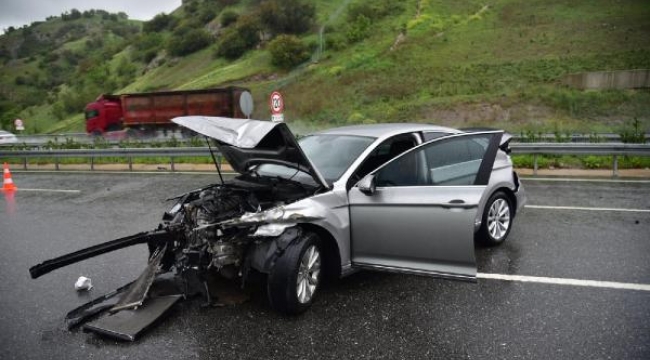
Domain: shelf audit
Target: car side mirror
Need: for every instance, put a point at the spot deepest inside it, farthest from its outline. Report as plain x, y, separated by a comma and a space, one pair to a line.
367, 185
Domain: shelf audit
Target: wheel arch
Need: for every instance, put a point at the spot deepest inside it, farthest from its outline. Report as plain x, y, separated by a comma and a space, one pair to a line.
331, 252
511, 196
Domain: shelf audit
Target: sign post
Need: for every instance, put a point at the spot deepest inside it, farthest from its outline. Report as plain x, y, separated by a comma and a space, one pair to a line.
277, 107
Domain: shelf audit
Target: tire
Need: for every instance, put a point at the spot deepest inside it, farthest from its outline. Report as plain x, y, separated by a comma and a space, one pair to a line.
296, 277
497, 220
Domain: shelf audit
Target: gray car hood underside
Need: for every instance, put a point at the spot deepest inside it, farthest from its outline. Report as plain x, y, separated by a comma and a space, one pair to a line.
246, 142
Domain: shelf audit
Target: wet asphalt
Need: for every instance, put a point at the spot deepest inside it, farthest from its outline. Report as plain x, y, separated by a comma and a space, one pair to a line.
365, 316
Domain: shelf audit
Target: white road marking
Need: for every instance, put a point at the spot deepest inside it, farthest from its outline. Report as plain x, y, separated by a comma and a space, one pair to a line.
52, 190
564, 281
628, 181
546, 207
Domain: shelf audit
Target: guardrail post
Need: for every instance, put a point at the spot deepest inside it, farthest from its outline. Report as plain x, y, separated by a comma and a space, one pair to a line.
130, 163
615, 166
171, 162
25, 163
535, 164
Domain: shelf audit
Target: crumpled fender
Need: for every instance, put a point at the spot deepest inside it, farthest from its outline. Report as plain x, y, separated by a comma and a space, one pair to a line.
263, 253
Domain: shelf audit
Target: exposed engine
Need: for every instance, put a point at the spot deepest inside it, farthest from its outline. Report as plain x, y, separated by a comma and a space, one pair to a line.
210, 242
223, 247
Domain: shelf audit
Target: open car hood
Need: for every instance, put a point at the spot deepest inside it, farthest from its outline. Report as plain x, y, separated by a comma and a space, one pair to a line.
245, 142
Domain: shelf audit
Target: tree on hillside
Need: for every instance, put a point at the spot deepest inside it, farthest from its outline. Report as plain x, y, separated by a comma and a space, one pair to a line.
287, 51
287, 16
188, 42
234, 42
159, 23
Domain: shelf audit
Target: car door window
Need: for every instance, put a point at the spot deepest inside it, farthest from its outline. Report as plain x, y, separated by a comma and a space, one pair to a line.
385, 151
454, 161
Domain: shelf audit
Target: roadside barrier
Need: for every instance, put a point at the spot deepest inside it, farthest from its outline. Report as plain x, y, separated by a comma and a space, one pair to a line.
608, 149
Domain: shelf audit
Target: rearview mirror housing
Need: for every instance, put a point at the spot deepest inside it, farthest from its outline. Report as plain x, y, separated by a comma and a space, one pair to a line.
367, 185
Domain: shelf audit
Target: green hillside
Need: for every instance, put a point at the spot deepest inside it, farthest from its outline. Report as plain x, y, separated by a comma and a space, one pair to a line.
468, 63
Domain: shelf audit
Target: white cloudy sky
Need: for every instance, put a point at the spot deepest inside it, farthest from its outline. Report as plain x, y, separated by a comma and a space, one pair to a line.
22, 12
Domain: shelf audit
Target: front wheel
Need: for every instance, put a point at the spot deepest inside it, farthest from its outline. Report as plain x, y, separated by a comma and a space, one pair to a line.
497, 219
296, 277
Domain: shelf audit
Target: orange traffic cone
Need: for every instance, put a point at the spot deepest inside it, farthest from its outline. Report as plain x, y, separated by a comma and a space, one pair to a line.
8, 184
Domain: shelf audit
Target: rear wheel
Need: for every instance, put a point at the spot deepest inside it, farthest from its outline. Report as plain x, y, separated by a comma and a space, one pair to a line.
296, 276
497, 219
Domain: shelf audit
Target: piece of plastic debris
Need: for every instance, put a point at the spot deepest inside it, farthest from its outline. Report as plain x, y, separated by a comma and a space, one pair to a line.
83, 283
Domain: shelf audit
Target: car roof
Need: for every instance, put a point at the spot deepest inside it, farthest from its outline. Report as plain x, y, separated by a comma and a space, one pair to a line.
385, 130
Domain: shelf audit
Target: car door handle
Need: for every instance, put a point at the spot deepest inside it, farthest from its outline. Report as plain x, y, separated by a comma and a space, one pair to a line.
457, 204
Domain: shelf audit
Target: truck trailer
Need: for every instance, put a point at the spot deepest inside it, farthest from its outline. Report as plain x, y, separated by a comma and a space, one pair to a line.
147, 112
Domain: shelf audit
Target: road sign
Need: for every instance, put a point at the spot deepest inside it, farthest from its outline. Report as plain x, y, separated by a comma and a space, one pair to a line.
18, 124
246, 103
276, 103
277, 117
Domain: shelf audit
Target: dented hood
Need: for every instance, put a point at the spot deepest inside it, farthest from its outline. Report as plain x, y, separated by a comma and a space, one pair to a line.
245, 142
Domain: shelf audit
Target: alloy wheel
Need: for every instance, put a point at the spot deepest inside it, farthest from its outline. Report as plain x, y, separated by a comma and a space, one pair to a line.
499, 219
308, 274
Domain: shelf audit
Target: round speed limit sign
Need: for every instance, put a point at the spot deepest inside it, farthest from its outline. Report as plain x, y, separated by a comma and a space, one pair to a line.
276, 103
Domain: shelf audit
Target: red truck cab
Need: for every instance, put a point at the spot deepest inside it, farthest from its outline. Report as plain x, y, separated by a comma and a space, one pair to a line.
104, 114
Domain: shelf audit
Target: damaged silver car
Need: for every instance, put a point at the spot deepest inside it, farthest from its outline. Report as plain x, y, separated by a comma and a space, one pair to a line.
408, 198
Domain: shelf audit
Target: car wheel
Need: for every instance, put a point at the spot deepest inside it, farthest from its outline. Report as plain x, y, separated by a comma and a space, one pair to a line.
497, 219
296, 277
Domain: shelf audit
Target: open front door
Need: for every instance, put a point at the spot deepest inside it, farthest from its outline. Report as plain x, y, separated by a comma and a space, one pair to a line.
420, 217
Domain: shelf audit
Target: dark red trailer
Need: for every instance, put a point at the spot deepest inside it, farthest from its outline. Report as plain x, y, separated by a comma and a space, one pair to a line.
152, 111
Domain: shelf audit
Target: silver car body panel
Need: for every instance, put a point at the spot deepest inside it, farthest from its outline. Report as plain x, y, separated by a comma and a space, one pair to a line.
242, 133
416, 229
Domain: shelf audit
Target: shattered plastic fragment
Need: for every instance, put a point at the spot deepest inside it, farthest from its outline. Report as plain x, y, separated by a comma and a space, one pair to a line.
83, 283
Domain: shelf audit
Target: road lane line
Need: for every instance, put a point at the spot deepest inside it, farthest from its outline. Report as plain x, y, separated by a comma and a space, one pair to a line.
564, 281
547, 207
622, 181
52, 190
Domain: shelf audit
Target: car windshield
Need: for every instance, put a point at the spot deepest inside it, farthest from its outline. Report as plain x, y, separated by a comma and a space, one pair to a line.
333, 154
330, 154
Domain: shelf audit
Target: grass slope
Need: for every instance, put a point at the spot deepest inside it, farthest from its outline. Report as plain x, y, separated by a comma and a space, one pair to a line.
454, 63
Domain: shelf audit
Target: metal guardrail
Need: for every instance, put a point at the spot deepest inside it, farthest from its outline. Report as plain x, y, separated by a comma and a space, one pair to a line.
116, 137
607, 149
92, 154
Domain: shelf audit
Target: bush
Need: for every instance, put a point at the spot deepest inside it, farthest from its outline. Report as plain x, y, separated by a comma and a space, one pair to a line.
632, 135
159, 23
287, 51
359, 29
192, 41
287, 16
236, 41
228, 17
374, 10
207, 15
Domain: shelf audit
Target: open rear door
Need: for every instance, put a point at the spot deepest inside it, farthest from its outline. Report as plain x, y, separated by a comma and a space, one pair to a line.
416, 214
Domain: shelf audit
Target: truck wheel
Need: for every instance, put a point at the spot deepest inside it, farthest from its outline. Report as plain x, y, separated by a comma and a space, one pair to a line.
295, 278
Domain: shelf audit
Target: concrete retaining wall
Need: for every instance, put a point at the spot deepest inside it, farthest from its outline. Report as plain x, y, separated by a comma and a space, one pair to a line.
624, 79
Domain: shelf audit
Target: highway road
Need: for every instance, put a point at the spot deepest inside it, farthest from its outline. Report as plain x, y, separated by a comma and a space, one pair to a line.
572, 282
